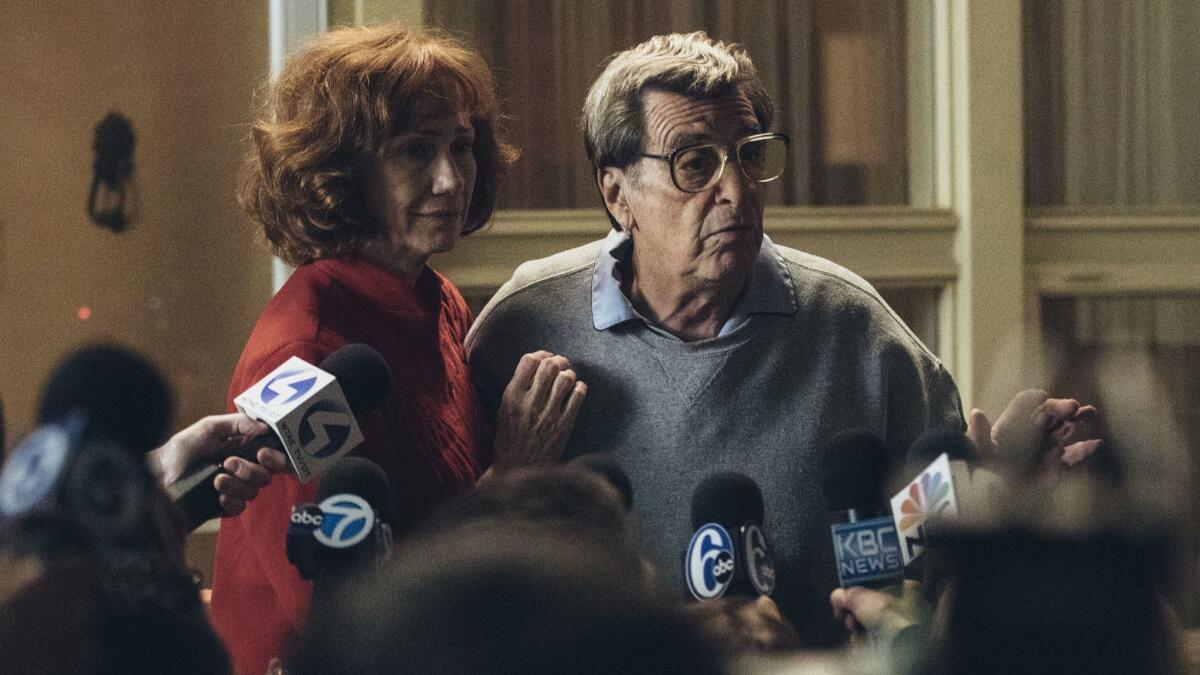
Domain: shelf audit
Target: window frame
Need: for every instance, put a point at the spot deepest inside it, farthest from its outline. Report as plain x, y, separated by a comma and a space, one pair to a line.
970, 233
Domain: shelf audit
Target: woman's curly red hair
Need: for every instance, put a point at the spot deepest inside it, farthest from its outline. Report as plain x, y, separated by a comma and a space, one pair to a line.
333, 108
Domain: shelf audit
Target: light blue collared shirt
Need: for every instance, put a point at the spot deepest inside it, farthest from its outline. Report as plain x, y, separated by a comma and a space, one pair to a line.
769, 291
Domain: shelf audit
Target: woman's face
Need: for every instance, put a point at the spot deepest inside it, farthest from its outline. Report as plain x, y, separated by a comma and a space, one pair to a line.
419, 186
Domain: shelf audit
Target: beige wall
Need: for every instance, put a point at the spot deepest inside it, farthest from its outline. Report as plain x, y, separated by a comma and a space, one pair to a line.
184, 73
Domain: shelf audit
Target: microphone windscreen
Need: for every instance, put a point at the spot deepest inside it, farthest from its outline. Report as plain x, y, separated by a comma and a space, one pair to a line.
855, 466
728, 499
363, 375
122, 396
357, 476
610, 470
935, 442
109, 492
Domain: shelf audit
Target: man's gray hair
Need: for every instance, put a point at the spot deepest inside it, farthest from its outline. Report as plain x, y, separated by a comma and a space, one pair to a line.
693, 65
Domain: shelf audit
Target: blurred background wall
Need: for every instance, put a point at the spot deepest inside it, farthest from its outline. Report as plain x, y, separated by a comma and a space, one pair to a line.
185, 282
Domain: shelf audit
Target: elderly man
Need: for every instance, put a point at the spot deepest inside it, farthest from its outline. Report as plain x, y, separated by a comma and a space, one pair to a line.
707, 347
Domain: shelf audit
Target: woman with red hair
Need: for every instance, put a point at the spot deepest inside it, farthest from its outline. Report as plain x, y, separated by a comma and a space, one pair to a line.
377, 149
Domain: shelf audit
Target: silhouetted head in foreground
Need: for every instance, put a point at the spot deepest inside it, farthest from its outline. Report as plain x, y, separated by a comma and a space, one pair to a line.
504, 597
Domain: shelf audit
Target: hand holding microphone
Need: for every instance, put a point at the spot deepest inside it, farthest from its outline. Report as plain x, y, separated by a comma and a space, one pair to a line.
879, 615
219, 437
313, 411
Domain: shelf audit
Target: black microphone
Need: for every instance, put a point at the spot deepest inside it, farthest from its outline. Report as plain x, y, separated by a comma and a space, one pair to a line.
121, 395
365, 380
610, 470
728, 553
344, 535
101, 409
866, 548
936, 442
854, 467
94, 483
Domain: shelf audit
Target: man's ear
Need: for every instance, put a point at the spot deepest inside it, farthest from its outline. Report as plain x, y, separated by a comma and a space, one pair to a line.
613, 184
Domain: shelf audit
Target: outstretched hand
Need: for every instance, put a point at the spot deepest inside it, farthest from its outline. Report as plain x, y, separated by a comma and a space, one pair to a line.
1036, 432
537, 411
215, 437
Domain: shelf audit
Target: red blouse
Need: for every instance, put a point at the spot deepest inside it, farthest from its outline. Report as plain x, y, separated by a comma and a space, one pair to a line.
430, 436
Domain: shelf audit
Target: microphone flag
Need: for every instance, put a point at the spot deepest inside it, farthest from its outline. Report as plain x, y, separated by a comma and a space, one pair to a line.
930, 495
307, 410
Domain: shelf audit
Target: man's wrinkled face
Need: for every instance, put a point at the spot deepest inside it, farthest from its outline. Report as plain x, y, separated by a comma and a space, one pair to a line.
712, 235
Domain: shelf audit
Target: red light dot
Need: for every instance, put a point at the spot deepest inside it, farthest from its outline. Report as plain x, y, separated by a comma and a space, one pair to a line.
84, 313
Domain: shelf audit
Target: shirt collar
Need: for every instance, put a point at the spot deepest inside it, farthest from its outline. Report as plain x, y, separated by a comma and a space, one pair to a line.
770, 290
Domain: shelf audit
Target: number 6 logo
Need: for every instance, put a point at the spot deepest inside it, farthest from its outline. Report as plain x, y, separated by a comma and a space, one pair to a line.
709, 564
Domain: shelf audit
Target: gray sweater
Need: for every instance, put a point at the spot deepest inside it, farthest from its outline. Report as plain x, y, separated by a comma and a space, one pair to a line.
760, 400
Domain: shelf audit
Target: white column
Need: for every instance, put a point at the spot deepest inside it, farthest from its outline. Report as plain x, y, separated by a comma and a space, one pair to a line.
292, 22
980, 46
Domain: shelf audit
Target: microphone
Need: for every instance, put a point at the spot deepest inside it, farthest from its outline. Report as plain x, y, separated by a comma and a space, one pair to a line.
92, 482
728, 552
951, 485
866, 548
343, 534
312, 413
935, 442
31, 473
610, 470
121, 395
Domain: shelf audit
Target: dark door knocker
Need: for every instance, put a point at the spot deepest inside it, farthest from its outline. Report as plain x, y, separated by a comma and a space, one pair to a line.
111, 171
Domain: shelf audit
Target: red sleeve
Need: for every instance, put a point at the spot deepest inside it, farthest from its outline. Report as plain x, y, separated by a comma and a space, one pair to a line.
259, 599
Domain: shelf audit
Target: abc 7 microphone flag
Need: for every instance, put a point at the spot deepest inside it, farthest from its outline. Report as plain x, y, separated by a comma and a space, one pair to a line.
307, 410
339, 522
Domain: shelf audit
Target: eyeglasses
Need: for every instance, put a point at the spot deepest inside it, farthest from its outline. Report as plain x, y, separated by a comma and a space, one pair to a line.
695, 168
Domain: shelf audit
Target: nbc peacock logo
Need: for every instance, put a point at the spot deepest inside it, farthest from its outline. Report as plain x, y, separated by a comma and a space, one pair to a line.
928, 495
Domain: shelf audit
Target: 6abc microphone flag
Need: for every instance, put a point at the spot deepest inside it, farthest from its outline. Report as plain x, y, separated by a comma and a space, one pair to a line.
93, 482
728, 552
